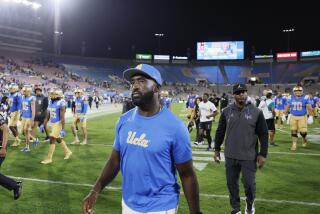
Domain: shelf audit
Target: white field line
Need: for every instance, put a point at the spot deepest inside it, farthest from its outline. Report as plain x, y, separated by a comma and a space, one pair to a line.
197, 152
276, 201
280, 153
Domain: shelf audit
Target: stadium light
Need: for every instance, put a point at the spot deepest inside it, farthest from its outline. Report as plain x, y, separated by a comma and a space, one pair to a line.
288, 31
28, 3
159, 35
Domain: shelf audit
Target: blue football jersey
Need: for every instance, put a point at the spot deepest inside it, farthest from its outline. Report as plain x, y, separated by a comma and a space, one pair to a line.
298, 106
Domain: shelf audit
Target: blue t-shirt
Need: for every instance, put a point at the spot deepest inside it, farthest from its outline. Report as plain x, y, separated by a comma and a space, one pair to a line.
26, 106
54, 108
15, 102
149, 149
298, 106
81, 105
280, 103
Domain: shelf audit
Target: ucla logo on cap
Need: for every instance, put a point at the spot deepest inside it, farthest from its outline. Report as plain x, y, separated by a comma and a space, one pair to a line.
139, 66
239, 86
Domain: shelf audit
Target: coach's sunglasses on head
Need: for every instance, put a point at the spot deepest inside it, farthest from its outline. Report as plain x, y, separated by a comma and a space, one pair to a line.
239, 92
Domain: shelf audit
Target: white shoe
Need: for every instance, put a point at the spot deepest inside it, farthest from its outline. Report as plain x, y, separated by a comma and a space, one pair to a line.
252, 211
46, 161
196, 143
67, 156
75, 142
83, 142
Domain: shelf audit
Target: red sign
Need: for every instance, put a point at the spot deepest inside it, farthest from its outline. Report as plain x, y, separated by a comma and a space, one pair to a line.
287, 55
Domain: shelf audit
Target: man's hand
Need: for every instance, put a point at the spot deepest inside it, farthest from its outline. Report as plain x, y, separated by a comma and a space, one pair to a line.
283, 118
3, 152
208, 117
260, 161
216, 156
88, 202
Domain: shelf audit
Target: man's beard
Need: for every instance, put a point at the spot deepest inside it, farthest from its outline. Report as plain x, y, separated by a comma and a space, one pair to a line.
143, 100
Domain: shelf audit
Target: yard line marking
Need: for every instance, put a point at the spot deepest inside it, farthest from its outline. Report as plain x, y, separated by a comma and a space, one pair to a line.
276, 201
280, 153
266, 200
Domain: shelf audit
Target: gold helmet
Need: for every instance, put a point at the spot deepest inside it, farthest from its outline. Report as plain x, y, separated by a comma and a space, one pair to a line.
78, 92
27, 90
55, 93
298, 91
13, 87
164, 93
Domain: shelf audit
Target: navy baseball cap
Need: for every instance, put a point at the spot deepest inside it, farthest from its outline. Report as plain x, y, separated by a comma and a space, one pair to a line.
239, 87
145, 70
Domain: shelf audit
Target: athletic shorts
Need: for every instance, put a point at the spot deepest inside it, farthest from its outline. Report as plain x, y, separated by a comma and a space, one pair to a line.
14, 117
205, 125
298, 123
26, 123
270, 124
40, 118
76, 119
55, 130
279, 113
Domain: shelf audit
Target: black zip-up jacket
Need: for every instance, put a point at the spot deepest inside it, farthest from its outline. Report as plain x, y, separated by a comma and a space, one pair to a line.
242, 128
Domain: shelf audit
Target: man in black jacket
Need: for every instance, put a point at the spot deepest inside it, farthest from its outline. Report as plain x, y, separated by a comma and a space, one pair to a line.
244, 124
6, 182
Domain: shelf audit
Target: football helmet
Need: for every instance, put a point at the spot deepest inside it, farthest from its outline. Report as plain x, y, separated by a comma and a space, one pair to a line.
13, 87
298, 91
27, 90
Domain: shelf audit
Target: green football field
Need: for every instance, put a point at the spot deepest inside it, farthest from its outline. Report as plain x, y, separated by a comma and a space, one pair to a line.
289, 182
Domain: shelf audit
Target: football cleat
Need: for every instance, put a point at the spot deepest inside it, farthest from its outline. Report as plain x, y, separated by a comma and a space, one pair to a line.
25, 149
67, 156
46, 161
250, 209
17, 191
84, 142
35, 142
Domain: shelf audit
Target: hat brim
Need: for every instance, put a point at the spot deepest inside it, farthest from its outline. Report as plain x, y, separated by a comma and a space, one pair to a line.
239, 90
129, 73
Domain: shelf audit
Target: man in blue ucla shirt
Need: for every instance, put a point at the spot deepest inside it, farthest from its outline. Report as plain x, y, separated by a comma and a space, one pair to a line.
27, 115
280, 103
57, 109
81, 108
298, 104
15, 101
150, 145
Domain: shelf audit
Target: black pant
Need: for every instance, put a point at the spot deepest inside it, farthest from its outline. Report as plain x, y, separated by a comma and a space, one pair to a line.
248, 169
197, 131
206, 132
5, 181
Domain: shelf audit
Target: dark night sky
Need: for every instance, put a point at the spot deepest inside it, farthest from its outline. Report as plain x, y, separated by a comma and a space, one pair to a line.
123, 23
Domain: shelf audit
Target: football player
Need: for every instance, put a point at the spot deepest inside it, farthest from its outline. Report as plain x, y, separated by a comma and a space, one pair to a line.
314, 104
298, 104
15, 101
81, 108
280, 103
165, 101
27, 115
57, 109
